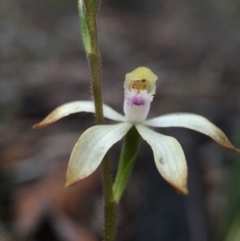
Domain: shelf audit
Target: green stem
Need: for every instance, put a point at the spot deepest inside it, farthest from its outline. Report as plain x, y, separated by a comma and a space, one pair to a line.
94, 62
127, 161
109, 204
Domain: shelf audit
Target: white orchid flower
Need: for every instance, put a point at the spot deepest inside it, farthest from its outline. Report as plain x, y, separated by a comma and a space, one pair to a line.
94, 143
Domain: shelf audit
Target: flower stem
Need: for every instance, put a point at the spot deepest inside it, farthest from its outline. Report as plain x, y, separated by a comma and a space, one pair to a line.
109, 204
94, 63
127, 161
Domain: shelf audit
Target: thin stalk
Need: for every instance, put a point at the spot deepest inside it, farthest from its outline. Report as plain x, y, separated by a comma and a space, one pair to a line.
127, 161
94, 63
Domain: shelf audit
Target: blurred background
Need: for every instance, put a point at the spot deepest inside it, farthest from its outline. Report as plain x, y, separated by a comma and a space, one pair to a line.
193, 47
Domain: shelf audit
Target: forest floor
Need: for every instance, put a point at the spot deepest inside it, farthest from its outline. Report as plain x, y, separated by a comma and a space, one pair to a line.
194, 48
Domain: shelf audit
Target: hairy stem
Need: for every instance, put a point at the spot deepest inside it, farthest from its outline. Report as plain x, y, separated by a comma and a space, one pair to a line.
94, 63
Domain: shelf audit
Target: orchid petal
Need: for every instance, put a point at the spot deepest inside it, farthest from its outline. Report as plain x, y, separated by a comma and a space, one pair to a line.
169, 157
75, 107
91, 148
193, 122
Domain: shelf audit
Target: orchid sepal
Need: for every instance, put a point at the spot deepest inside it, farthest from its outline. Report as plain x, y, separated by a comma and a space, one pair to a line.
90, 149
76, 107
168, 156
194, 122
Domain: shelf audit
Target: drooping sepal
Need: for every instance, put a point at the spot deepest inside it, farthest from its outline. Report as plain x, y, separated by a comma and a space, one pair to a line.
90, 149
169, 157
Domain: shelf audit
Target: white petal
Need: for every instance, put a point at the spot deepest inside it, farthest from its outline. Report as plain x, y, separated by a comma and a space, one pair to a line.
193, 122
75, 107
169, 157
90, 149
